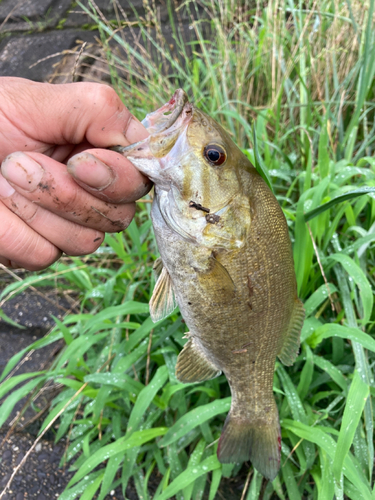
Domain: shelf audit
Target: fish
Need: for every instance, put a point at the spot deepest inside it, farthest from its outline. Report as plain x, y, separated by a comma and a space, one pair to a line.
226, 261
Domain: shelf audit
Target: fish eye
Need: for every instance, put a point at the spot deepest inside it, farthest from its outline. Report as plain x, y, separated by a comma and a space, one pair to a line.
215, 154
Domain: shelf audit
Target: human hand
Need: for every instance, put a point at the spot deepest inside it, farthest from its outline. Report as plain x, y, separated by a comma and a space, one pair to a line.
46, 206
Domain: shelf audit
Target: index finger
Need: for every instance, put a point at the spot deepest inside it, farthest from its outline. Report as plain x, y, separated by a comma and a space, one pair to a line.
66, 114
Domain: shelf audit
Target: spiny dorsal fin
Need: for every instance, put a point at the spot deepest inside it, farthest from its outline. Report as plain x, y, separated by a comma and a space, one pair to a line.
193, 365
163, 300
289, 349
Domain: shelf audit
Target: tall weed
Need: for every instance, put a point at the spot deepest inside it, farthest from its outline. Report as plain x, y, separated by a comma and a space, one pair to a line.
299, 78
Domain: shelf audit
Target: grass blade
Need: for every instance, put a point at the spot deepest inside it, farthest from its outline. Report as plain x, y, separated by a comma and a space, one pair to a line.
358, 394
194, 418
188, 476
125, 443
338, 199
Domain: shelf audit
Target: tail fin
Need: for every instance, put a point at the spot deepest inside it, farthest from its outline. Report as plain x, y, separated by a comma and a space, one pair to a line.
244, 439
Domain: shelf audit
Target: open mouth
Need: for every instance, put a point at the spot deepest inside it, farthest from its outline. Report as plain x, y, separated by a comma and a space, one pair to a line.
163, 124
164, 117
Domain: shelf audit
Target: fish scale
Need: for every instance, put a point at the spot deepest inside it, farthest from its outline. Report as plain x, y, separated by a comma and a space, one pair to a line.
227, 262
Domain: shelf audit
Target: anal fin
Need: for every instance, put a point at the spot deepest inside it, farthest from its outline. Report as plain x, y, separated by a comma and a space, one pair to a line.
289, 349
193, 365
163, 300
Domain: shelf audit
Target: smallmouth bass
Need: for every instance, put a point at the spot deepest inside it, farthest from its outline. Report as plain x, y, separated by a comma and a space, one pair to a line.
226, 260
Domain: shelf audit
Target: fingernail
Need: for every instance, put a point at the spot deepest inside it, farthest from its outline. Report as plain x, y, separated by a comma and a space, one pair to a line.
23, 171
86, 168
135, 131
6, 189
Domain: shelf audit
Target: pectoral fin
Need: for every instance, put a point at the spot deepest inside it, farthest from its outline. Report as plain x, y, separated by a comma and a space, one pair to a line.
216, 283
157, 267
290, 346
193, 365
163, 300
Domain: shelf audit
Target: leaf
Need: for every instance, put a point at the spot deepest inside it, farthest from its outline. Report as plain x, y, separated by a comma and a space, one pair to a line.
323, 155
290, 482
194, 460
255, 486
194, 418
356, 273
125, 443
298, 412
92, 488
338, 199
72, 493
318, 297
9, 384
355, 404
77, 348
109, 474
14, 360
259, 165
215, 483
324, 441
145, 398
327, 483
188, 476
129, 307
306, 373
8, 405
335, 374
332, 330
8, 320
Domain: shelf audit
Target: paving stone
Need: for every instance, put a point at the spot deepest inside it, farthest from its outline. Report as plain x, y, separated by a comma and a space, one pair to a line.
16, 10
77, 17
18, 54
25, 15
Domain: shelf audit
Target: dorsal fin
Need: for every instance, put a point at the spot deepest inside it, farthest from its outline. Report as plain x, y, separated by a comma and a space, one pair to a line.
163, 300
289, 349
193, 365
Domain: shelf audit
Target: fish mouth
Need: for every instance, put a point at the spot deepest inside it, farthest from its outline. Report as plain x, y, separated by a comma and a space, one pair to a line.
164, 117
166, 126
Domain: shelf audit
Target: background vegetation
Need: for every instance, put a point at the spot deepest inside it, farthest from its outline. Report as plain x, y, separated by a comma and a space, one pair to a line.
303, 74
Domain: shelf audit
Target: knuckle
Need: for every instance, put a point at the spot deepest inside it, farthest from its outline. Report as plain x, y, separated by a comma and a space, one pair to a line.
68, 199
105, 95
85, 242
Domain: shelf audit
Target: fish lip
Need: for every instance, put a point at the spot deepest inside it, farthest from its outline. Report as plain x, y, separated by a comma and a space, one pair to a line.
181, 112
164, 117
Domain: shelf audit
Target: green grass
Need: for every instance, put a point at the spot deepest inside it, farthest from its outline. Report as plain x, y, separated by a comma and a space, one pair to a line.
300, 76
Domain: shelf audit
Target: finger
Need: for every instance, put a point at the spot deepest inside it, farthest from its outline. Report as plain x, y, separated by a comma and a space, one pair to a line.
108, 176
71, 238
22, 246
70, 114
5, 262
47, 183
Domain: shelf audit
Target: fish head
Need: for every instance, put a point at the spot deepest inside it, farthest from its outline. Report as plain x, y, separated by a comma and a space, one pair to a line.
194, 165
